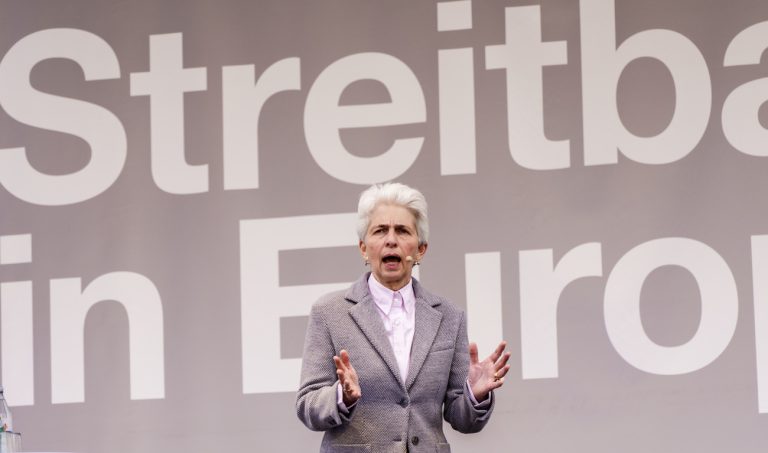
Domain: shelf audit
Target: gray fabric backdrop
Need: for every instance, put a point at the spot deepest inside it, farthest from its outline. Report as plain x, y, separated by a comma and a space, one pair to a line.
178, 181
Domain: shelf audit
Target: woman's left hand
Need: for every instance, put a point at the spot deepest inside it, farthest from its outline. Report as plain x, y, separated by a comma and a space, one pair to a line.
489, 374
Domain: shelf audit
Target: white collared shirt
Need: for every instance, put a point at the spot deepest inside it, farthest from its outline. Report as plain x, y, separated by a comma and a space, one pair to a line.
398, 313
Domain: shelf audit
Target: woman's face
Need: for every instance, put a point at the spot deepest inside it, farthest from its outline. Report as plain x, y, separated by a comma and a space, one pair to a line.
391, 238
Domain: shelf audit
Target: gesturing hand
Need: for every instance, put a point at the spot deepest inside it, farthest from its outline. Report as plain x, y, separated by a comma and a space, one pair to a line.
489, 374
350, 387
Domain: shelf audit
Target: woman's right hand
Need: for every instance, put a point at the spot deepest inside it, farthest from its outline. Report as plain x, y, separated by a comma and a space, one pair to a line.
350, 387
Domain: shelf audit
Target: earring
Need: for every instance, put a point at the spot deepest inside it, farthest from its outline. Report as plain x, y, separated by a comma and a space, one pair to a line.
366, 260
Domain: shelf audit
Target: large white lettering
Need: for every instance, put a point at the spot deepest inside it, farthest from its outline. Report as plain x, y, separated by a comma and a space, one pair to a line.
242, 104
483, 279
541, 283
741, 120
16, 338
324, 117
719, 306
16, 323
264, 301
524, 56
165, 84
69, 307
602, 64
98, 127
456, 89
760, 294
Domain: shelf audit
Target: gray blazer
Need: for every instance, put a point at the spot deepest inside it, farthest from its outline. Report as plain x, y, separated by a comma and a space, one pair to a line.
392, 415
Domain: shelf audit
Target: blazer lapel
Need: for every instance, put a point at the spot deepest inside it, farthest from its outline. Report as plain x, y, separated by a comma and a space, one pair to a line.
369, 321
427, 322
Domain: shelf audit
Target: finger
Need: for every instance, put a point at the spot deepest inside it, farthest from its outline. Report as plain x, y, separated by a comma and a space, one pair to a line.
499, 350
348, 365
340, 374
339, 364
503, 361
473, 353
501, 372
344, 357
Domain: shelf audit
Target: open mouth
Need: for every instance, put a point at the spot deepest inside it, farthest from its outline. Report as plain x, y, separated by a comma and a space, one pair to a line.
391, 259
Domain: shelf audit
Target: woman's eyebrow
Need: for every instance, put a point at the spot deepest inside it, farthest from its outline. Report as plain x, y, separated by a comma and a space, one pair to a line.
394, 225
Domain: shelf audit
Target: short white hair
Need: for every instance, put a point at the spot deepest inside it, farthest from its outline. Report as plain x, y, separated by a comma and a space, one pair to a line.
396, 194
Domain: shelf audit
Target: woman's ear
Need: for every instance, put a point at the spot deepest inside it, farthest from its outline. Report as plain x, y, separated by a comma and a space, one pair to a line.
422, 250
363, 251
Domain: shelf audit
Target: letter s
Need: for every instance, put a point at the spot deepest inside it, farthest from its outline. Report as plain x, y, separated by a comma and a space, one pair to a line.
97, 126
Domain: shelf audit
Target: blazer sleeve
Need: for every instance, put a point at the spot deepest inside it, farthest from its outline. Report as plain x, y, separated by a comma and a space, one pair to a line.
458, 409
316, 404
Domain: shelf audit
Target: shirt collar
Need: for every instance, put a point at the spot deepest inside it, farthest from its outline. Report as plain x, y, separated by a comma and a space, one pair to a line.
384, 297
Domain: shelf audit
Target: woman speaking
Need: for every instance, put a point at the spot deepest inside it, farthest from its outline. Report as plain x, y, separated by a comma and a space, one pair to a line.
385, 360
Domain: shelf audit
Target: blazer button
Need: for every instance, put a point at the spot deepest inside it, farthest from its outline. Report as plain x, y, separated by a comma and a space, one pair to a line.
404, 402
415, 440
